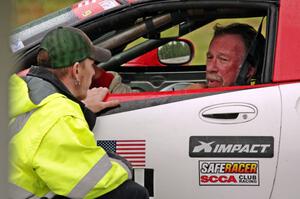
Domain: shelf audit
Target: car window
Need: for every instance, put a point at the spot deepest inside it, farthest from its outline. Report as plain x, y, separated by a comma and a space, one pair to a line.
141, 37
148, 72
202, 36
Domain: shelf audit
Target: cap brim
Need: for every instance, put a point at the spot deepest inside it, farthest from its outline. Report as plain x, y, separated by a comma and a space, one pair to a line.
100, 55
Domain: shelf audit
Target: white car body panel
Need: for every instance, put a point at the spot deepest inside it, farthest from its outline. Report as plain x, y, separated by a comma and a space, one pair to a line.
289, 159
167, 129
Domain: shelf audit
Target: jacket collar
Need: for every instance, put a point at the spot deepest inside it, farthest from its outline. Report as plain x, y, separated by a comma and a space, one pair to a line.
46, 75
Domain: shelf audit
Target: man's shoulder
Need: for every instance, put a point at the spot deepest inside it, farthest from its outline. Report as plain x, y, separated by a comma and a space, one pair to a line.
39, 89
60, 104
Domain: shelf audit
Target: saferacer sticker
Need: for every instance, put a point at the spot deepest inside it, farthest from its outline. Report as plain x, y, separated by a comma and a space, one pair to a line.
228, 173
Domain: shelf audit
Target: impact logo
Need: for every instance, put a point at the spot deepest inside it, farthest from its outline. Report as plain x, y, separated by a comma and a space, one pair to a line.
206, 147
231, 146
233, 173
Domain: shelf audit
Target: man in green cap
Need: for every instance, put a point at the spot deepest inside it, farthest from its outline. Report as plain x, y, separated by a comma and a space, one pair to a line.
53, 153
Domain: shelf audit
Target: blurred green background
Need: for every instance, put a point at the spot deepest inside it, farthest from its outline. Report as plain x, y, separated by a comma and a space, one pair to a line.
28, 10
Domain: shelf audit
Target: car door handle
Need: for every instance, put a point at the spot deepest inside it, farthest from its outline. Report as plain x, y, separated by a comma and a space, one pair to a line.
222, 115
229, 113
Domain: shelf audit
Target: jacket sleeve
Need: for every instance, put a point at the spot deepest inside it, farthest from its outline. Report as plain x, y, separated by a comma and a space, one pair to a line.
116, 85
71, 164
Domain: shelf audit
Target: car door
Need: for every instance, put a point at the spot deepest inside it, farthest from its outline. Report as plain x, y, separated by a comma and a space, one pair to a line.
289, 147
215, 144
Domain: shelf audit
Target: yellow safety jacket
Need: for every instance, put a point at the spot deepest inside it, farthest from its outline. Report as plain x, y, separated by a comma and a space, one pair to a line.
53, 151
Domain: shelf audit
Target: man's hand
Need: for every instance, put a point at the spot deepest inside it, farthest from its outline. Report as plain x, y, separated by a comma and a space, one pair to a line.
95, 97
195, 86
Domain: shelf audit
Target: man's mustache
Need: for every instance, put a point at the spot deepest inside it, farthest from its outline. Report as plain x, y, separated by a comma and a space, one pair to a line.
213, 77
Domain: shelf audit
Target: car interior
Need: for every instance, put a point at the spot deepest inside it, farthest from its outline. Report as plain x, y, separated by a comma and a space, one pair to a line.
134, 32
153, 27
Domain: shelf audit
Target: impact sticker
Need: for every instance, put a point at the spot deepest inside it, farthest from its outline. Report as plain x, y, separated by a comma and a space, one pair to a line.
231, 146
228, 173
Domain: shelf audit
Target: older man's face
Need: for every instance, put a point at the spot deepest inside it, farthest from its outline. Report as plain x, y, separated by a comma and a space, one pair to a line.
224, 57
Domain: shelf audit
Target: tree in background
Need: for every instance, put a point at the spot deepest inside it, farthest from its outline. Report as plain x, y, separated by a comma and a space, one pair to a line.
174, 49
28, 10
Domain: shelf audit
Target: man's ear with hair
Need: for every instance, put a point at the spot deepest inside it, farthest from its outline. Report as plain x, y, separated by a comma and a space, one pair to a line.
43, 58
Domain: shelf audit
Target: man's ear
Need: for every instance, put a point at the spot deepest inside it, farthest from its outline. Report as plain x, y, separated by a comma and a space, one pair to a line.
75, 70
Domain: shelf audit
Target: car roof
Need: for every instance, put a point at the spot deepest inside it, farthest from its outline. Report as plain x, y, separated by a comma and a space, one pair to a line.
31, 33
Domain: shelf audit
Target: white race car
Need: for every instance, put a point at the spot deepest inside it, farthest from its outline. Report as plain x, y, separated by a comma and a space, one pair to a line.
230, 142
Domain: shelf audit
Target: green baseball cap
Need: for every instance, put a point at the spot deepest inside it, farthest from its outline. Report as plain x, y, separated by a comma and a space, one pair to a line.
67, 45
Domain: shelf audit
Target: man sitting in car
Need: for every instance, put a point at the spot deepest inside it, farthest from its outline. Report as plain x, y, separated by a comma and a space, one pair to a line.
234, 57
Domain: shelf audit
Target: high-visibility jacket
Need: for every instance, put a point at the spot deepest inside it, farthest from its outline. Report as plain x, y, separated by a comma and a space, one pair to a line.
52, 149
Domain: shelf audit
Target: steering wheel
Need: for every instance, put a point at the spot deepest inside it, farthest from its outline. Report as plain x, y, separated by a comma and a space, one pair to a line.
176, 86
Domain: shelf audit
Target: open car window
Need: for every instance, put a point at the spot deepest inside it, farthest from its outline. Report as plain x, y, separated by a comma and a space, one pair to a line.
137, 47
200, 38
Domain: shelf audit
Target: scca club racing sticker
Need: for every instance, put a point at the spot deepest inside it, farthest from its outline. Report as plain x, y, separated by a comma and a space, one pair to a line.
228, 173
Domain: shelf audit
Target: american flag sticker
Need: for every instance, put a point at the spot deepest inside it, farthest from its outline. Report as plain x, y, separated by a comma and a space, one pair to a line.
133, 150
